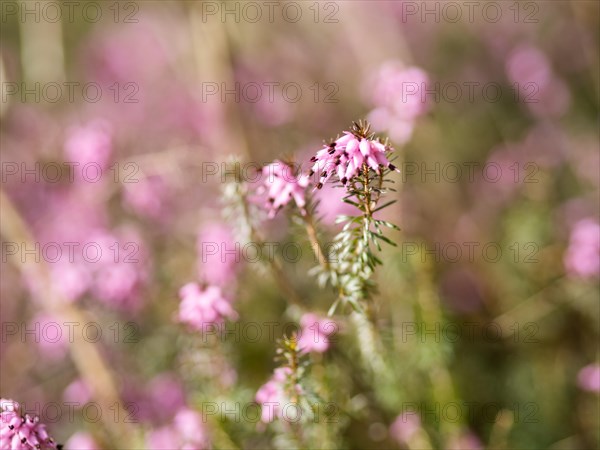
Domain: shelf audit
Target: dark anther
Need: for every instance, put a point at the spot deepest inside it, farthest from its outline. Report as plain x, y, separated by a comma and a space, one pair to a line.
344, 180
324, 174
392, 167
332, 144
319, 186
23, 440
313, 159
311, 173
12, 427
331, 150
271, 199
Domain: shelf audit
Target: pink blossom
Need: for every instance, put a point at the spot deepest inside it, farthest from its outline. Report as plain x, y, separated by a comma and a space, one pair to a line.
405, 427
218, 254
543, 93
282, 186
582, 258
78, 392
315, 333
465, 441
166, 395
146, 197
187, 432
18, 432
272, 396
397, 93
202, 307
51, 335
120, 270
346, 156
88, 145
589, 378
81, 441
71, 279
528, 65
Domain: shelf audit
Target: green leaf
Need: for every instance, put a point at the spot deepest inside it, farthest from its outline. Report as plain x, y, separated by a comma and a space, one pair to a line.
385, 205
385, 239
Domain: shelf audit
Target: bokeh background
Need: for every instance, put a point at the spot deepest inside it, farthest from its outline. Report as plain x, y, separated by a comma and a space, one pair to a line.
489, 302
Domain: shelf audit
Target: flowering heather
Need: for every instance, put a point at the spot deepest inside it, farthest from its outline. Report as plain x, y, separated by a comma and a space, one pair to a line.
246, 225
582, 258
89, 144
282, 186
589, 378
218, 254
201, 307
347, 157
273, 396
22, 432
399, 95
186, 432
315, 334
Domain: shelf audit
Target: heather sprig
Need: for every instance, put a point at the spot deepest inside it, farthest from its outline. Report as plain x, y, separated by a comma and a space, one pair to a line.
362, 169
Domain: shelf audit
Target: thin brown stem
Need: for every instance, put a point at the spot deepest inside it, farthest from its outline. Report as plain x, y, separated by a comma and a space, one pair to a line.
317, 249
85, 355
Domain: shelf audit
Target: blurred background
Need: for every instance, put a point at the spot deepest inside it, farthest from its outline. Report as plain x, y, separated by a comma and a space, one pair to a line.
118, 124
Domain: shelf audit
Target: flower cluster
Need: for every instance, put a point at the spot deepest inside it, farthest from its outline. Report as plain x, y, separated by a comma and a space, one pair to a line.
588, 378
582, 258
201, 307
18, 432
398, 95
272, 395
347, 157
316, 332
282, 186
186, 432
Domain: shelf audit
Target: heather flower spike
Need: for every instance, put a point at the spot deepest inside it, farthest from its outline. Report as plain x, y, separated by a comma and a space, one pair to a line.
200, 308
348, 156
359, 161
282, 186
22, 432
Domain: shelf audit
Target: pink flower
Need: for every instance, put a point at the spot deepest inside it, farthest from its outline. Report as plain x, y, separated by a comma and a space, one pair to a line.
397, 93
465, 441
51, 335
89, 144
315, 333
166, 395
282, 186
146, 197
186, 433
199, 308
78, 392
404, 427
582, 258
19, 432
544, 93
120, 271
589, 378
346, 156
81, 441
272, 396
218, 254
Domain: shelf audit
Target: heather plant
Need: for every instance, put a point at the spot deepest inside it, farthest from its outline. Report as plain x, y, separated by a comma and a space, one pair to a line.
325, 225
